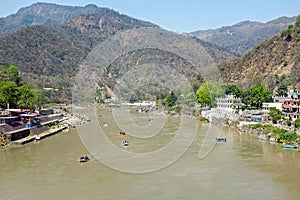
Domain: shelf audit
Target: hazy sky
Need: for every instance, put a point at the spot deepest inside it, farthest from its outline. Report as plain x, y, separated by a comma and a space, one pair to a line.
183, 15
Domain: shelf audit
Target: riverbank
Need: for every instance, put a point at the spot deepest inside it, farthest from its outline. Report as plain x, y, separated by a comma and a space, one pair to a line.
269, 132
41, 136
61, 125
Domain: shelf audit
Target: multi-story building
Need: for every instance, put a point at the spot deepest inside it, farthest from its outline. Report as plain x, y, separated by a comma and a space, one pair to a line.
225, 108
290, 108
229, 102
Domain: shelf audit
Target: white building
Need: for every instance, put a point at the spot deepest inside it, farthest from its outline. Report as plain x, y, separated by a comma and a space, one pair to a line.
229, 102
267, 106
225, 108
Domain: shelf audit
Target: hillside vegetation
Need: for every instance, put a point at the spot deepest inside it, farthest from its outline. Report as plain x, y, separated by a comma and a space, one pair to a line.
49, 55
273, 62
241, 37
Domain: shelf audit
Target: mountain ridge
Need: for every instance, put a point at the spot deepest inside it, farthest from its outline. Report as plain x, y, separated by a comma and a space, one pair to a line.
274, 61
239, 38
47, 14
50, 55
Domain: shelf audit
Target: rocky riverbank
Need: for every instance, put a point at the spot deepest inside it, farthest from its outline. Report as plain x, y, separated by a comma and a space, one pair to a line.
270, 133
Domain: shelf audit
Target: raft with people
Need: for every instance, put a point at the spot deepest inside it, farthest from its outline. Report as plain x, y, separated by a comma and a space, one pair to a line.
84, 159
289, 146
220, 140
125, 143
122, 133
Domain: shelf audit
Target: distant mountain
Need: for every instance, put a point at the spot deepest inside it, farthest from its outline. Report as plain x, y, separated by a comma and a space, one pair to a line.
52, 14
241, 37
273, 62
49, 55
44, 14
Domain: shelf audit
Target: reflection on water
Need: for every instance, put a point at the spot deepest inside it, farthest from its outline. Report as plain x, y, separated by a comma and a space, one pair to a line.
243, 168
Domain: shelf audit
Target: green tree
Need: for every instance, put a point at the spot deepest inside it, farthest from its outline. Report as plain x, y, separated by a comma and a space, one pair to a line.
196, 83
14, 94
203, 95
256, 95
9, 93
190, 99
170, 99
275, 115
286, 137
39, 98
12, 73
25, 97
297, 123
232, 89
282, 89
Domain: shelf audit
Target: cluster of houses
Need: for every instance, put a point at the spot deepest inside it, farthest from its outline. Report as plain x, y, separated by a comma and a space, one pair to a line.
16, 124
230, 108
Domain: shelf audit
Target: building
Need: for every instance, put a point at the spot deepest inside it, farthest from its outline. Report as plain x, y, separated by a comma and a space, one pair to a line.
267, 106
226, 108
17, 124
290, 108
229, 102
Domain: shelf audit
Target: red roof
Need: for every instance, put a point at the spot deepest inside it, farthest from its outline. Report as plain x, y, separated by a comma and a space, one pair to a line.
286, 106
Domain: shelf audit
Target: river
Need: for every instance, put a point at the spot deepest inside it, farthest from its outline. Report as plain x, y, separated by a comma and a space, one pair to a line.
243, 168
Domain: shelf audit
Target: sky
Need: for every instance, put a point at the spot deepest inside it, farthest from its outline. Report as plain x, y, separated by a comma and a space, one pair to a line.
182, 15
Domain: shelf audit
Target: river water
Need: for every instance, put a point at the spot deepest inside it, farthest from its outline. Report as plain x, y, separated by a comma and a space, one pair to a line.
243, 168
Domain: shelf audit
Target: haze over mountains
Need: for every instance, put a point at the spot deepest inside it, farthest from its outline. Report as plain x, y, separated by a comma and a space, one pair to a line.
48, 42
241, 37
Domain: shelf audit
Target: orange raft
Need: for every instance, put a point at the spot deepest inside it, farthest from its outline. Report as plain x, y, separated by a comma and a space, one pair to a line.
122, 133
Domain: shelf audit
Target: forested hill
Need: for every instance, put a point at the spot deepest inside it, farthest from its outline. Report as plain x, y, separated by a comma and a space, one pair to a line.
241, 37
49, 55
274, 62
58, 49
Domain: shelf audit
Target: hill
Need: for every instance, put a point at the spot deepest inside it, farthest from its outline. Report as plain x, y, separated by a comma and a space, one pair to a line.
52, 14
44, 14
273, 62
49, 55
56, 50
241, 37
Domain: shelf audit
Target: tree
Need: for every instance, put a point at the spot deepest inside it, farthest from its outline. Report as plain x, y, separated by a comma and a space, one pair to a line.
25, 97
196, 83
12, 73
39, 98
275, 115
9, 93
15, 94
282, 89
203, 95
256, 95
297, 123
170, 99
232, 89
